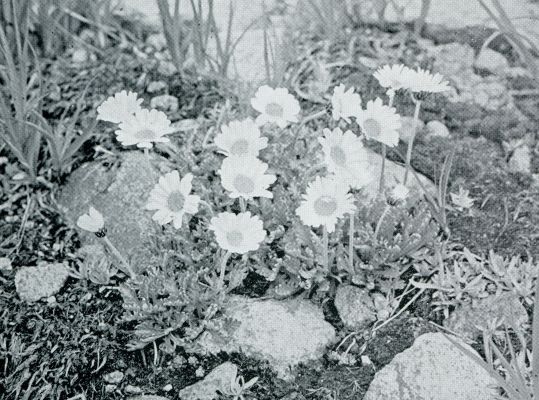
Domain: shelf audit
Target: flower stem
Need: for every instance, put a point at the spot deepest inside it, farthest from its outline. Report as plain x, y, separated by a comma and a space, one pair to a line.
382, 171
224, 260
411, 140
379, 224
313, 116
325, 240
147, 155
243, 205
351, 244
127, 268
391, 95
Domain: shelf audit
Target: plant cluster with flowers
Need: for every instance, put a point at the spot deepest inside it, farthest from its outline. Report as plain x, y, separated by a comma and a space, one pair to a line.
273, 196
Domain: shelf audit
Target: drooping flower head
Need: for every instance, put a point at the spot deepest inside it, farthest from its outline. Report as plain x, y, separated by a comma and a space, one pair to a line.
241, 138
345, 103
325, 201
119, 107
172, 199
238, 233
380, 122
393, 77
275, 106
346, 157
245, 177
421, 80
144, 128
92, 222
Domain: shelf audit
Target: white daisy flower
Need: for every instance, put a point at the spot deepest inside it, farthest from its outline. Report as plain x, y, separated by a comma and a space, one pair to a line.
399, 193
239, 233
143, 128
92, 222
171, 198
241, 138
423, 81
380, 122
119, 107
393, 77
276, 106
462, 199
346, 157
244, 177
345, 103
325, 201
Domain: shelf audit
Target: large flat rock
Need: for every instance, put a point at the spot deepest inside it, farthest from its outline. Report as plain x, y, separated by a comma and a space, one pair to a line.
432, 369
284, 333
120, 194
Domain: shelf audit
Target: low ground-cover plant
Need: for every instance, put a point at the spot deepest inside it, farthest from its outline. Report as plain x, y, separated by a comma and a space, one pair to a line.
283, 210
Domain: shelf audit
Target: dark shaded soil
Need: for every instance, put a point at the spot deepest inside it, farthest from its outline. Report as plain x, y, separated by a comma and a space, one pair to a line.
505, 217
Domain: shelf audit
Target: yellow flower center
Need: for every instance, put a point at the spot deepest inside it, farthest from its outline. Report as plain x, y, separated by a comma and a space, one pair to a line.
338, 156
239, 147
274, 110
145, 134
325, 206
244, 184
235, 238
175, 201
372, 127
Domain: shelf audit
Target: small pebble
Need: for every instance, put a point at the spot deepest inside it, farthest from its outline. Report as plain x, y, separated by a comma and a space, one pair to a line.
167, 388
5, 264
130, 389
114, 377
110, 388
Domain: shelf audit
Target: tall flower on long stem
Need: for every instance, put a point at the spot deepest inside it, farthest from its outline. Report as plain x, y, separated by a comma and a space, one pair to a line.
325, 201
381, 123
236, 233
420, 83
394, 78
94, 222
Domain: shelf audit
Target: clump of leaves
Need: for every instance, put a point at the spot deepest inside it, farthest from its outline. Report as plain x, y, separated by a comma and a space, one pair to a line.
457, 275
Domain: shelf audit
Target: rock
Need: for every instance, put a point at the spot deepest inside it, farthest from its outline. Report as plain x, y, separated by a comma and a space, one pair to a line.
217, 380
355, 307
491, 93
407, 123
5, 264
453, 59
114, 377
167, 388
156, 86
166, 68
120, 194
80, 56
43, 281
110, 388
284, 333
492, 312
393, 173
521, 160
130, 389
491, 61
165, 102
157, 41
437, 128
434, 369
